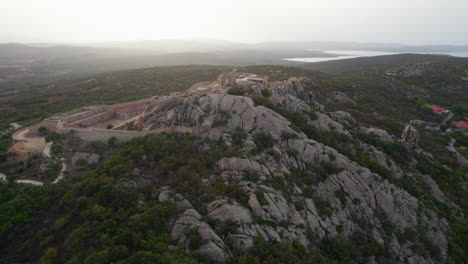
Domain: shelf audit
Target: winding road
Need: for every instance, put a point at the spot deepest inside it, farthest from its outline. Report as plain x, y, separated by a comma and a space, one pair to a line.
35, 143
462, 160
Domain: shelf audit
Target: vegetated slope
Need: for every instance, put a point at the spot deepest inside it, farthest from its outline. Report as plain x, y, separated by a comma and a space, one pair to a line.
39, 101
277, 174
23, 64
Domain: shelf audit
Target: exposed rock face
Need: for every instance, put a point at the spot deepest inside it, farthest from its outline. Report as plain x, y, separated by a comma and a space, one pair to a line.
410, 137
206, 113
418, 70
376, 133
178, 200
190, 220
413, 92
383, 160
343, 118
343, 98
223, 211
436, 192
241, 165
427, 125
344, 193
87, 158
325, 123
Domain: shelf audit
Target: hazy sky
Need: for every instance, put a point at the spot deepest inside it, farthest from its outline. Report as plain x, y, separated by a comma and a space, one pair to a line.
402, 21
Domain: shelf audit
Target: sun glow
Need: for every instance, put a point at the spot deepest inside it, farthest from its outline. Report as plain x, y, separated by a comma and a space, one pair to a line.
239, 20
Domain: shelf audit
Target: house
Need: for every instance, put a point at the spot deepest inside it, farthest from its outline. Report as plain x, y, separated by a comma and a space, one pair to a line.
461, 125
15, 126
438, 109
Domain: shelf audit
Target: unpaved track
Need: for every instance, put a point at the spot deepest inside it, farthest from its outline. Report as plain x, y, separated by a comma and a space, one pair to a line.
26, 143
462, 160
3, 177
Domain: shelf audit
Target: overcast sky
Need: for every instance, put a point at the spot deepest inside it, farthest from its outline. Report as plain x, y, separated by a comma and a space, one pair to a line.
398, 21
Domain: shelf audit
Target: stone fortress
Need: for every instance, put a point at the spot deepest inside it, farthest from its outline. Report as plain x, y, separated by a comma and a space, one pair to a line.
100, 123
97, 122
98, 116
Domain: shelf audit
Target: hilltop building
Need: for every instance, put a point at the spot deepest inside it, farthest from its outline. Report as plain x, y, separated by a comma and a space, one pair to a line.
461, 125
438, 109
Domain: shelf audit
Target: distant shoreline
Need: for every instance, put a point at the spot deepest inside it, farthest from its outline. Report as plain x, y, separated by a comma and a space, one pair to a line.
352, 54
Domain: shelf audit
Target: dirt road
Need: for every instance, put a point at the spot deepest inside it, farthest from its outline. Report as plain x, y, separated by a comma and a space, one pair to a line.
26, 143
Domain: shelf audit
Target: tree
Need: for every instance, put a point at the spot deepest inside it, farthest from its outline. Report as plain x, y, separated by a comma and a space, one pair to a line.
111, 141
458, 109
42, 130
49, 255
263, 140
261, 100
56, 148
266, 92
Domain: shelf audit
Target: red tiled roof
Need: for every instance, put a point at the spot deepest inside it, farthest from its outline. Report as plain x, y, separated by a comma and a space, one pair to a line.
461, 124
437, 108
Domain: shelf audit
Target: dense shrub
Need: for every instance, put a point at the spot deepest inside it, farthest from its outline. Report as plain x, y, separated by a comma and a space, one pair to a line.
266, 92
195, 240
263, 140
261, 197
234, 91
260, 100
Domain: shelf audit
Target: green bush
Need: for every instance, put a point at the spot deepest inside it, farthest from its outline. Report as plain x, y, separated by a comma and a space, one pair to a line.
308, 192
238, 194
323, 206
43, 130
53, 137
266, 92
61, 222
287, 136
312, 115
425, 107
56, 148
260, 100
263, 140
261, 197
251, 176
195, 240
293, 153
234, 91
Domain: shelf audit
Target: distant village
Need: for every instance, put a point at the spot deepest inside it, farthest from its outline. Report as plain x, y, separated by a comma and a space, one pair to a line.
457, 125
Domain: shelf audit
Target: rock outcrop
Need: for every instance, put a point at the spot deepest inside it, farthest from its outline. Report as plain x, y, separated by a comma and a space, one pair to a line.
376, 133
301, 185
410, 137
190, 221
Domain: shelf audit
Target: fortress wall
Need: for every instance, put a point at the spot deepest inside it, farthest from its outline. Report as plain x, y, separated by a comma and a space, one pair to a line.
84, 115
102, 135
97, 119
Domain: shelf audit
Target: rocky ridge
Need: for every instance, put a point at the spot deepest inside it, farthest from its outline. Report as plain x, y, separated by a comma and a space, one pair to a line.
336, 196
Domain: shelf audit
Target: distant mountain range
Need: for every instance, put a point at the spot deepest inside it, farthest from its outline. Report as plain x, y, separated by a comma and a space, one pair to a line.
47, 61
178, 45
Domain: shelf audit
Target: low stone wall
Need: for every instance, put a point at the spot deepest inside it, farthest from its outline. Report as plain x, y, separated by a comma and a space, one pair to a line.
103, 135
